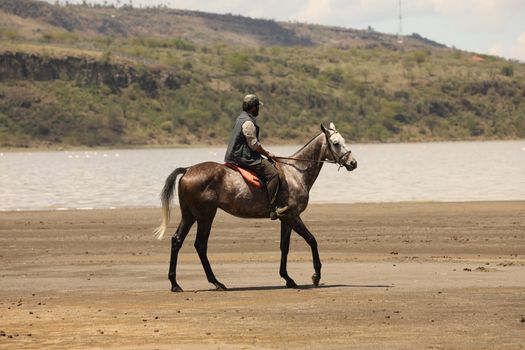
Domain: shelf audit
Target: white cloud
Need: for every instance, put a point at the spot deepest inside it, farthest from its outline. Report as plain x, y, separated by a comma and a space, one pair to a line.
315, 11
345, 13
496, 50
517, 51
485, 9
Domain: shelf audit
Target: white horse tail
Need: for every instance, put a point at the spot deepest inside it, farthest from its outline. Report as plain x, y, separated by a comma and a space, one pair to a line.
166, 197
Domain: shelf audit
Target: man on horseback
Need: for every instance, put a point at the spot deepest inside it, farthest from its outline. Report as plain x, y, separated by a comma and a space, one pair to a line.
208, 186
246, 151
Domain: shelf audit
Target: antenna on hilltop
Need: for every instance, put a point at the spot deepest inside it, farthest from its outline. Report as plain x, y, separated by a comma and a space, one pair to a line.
400, 27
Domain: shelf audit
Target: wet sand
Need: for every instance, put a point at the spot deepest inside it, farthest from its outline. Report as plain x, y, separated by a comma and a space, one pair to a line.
395, 276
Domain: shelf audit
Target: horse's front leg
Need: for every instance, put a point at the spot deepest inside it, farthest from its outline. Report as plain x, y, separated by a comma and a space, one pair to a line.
201, 245
286, 231
298, 226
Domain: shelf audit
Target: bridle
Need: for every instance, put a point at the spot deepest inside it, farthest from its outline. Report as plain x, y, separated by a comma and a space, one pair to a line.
337, 160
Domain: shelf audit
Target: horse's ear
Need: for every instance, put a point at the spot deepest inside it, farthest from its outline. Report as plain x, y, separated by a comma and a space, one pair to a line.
332, 126
323, 128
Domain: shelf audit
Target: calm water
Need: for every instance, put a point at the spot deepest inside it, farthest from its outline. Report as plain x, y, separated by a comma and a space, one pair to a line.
455, 171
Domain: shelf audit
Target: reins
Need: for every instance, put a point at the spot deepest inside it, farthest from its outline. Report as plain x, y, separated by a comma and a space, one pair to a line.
306, 160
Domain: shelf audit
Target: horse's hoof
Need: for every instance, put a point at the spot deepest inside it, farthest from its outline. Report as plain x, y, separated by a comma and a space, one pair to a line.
176, 289
291, 284
220, 287
316, 278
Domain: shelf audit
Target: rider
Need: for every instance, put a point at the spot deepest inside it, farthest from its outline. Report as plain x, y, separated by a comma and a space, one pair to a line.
245, 150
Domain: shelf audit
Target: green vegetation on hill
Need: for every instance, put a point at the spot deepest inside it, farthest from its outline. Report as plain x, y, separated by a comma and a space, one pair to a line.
79, 75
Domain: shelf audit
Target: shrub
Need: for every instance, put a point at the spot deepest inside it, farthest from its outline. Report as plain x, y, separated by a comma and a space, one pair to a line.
167, 126
334, 74
377, 132
507, 70
420, 56
103, 41
238, 63
59, 36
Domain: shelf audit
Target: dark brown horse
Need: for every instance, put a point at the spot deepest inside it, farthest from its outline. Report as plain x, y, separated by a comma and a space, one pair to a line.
204, 187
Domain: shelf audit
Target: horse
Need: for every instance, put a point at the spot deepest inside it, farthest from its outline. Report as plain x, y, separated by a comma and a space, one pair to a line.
207, 186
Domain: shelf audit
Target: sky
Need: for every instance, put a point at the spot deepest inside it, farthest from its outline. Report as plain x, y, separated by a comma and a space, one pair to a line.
495, 27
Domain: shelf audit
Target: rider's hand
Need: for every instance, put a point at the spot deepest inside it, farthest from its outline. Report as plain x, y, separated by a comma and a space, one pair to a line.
271, 155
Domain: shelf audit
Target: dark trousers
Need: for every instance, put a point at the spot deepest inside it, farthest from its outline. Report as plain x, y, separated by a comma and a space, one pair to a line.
267, 171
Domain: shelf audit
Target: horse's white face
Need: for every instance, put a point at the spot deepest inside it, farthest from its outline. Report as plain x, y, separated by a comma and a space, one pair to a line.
337, 149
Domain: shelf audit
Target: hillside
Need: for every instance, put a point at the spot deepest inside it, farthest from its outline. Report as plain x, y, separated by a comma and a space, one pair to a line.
81, 75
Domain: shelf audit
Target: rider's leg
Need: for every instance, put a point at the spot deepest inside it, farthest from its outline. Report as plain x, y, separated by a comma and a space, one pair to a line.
271, 174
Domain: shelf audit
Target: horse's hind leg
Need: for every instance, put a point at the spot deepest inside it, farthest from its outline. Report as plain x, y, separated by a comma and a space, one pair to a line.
177, 240
286, 231
201, 245
298, 226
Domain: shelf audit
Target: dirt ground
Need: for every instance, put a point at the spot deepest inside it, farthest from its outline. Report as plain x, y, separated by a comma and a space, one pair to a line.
395, 276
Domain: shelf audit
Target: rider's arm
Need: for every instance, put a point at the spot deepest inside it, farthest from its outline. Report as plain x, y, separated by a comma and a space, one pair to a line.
249, 132
264, 152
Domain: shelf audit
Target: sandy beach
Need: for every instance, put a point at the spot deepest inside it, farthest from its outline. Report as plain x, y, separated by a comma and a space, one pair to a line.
395, 276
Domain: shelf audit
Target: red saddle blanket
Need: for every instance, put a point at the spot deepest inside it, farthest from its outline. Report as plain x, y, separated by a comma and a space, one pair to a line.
248, 175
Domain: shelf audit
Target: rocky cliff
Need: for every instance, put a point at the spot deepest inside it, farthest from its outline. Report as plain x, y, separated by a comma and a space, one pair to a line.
85, 71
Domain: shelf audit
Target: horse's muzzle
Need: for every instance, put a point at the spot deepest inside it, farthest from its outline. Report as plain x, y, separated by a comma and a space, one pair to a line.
351, 166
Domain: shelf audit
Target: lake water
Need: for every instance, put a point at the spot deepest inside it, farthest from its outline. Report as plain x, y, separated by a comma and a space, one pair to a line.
448, 171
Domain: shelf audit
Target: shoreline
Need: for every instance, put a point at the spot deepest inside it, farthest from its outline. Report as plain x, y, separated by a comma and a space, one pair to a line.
312, 204
57, 148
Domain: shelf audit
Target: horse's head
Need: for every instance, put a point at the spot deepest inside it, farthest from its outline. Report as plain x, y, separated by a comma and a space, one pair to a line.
337, 150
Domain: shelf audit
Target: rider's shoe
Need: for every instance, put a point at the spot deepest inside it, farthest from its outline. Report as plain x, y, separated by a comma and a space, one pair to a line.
278, 212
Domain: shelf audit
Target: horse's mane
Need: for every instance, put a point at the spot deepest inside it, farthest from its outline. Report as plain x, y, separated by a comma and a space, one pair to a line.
306, 144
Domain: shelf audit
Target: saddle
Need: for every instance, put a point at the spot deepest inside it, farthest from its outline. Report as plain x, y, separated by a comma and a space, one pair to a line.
249, 176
